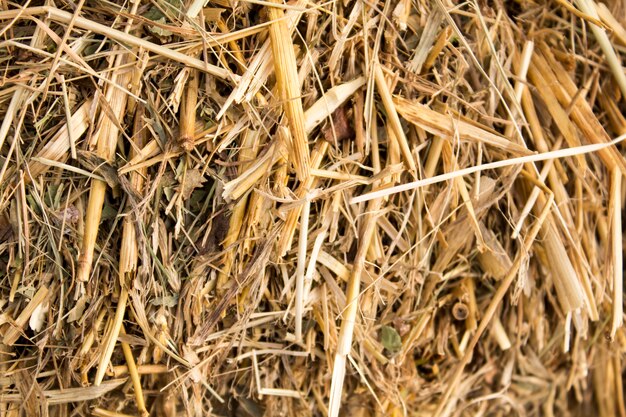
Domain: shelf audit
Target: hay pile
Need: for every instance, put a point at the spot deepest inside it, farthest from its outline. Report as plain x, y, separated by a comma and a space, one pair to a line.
248, 208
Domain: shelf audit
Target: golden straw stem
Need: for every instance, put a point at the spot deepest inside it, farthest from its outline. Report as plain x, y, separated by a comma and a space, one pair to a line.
106, 142
134, 377
188, 112
286, 70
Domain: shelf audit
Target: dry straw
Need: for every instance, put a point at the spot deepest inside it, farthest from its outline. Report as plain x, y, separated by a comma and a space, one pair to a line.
312, 209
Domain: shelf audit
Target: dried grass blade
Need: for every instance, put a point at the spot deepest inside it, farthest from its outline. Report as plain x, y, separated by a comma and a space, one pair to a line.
72, 395
446, 126
329, 102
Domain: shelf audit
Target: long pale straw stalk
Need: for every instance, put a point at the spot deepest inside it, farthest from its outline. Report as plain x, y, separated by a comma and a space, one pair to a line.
544, 156
349, 316
302, 249
615, 207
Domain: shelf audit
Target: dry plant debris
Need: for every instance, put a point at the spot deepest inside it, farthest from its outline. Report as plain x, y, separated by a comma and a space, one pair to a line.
259, 208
